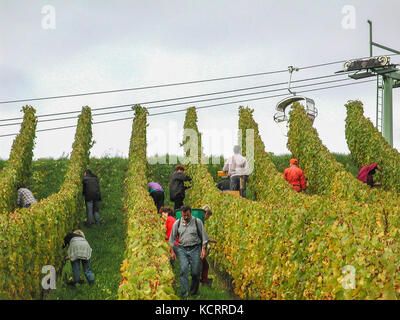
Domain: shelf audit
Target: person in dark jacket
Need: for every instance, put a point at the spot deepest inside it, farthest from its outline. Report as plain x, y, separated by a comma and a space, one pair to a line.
177, 187
91, 191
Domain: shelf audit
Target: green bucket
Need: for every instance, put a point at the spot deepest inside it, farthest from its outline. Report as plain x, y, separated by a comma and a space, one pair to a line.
198, 213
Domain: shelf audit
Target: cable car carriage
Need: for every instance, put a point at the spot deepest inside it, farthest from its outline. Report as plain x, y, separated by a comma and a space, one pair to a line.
309, 103
281, 115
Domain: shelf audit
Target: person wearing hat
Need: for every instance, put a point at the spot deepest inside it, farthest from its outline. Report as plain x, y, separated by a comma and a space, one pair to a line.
295, 176
79, 251
177, 186
366, 174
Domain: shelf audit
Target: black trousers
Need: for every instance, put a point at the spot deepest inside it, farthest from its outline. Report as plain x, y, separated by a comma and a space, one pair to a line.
235, 185
158, 197
178, 203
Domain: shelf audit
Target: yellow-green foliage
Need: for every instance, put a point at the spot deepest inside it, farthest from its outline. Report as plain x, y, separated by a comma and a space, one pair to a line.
371, 227
18, 167
367, 146
235, 252
146, 271
295, 248
261, 245
32, 238
325, 176
266, 181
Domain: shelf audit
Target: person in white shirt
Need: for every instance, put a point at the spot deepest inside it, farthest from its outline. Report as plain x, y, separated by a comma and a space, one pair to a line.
79, 251
25, 197
237, 166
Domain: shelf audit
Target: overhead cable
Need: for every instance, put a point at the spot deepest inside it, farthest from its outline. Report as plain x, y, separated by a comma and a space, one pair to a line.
202, 107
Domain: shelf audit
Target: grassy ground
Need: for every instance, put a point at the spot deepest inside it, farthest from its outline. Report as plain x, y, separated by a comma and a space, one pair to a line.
348, 163
47, 177
219, 289
107, 241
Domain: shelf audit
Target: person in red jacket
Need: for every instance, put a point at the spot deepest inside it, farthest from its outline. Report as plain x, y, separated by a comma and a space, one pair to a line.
295, 176
168, 214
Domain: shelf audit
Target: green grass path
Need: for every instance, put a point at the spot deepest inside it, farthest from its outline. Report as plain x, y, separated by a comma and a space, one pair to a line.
219, 290
107, 241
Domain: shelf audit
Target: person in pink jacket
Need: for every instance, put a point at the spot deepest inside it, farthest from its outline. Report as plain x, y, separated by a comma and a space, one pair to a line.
366, 174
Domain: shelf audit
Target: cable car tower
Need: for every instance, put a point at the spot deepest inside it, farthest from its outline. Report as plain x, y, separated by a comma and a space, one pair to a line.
282, 105
387, 76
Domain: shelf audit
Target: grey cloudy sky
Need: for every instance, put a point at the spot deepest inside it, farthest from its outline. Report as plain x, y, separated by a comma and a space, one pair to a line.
106, 45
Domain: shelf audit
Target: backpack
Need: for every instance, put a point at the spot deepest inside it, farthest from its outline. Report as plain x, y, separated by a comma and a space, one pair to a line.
197, 227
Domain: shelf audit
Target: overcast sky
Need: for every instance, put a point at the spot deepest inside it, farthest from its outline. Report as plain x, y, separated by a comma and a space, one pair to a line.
106, 45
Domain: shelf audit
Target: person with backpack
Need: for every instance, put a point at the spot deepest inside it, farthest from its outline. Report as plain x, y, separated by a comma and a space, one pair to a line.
91, 191
157, 193
79, 251
191, 249
177, 187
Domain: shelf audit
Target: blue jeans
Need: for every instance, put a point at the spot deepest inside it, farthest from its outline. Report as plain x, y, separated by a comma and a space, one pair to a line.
186, 258
92, 212
76, 270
